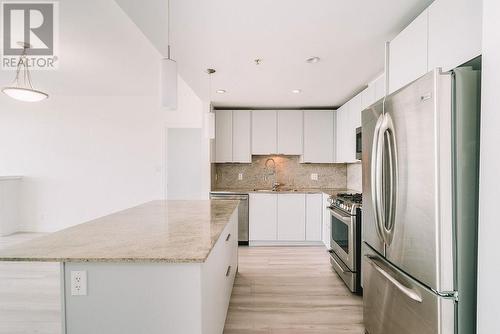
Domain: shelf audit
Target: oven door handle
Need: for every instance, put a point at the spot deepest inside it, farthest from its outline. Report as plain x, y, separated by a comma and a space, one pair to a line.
341, 267
344, 218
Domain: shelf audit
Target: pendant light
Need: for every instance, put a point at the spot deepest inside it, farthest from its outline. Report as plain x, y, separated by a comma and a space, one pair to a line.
168, 74
22, 87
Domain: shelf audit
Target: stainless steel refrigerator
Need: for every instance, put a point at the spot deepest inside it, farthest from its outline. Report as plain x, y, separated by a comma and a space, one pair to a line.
420, 194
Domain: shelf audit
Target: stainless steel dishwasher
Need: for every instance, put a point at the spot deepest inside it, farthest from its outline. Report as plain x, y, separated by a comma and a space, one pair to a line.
242, 212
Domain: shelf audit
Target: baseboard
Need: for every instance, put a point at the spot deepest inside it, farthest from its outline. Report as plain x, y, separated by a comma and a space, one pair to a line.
284, 243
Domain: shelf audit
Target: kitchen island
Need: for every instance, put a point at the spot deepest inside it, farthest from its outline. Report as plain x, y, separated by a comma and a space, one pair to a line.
161, 267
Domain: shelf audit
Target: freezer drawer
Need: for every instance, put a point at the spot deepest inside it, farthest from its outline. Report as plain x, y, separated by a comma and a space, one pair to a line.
394, 303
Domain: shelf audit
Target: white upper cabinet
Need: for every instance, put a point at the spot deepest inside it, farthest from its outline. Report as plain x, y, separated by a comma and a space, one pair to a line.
368, 96
290, 132
348, 119
319, 136
408, 53
264, 132
291, 217
340, 142
314, 215
232, 136
379, 84
455, 28
242, 120
224, 136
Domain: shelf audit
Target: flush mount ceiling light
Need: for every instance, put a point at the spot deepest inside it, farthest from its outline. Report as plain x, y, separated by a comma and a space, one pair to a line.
313, 60
22, 87
297, 91
221, 91
168, 74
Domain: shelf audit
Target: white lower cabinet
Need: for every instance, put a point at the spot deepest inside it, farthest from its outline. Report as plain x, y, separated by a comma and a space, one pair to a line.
314, 205
291, 217
263, 217
326, 221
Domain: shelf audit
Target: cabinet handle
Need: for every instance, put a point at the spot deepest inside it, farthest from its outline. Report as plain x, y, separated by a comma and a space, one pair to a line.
228, 271
228, 237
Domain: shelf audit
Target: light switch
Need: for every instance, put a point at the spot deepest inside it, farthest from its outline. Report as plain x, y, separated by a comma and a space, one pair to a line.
314, 176
240, 176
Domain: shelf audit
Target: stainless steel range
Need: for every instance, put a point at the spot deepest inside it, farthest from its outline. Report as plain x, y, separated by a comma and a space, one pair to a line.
345, 238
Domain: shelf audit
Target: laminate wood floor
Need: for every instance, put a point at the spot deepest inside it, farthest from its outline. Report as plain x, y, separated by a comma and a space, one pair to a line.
291, 290
278, 290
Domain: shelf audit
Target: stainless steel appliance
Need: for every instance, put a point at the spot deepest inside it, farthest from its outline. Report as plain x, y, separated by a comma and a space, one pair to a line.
345, 238
420, 198
359, 143
242, 212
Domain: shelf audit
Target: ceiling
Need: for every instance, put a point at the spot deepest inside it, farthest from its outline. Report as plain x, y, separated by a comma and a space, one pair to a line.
94, 58
228, 35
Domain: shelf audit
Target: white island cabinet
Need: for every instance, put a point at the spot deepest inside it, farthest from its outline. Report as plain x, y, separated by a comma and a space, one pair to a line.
172, 273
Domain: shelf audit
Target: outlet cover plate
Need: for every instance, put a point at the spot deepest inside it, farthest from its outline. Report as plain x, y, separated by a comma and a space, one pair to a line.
79, 283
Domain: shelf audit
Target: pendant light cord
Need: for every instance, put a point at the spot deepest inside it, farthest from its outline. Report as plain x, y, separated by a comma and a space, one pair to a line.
23, 65
168, 28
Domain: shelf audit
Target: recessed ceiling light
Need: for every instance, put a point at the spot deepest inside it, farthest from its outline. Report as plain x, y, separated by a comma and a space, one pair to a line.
297, 91
221, 91
313, 60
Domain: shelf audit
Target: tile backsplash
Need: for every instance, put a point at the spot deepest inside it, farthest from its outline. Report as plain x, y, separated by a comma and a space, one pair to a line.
286, 170
354, 177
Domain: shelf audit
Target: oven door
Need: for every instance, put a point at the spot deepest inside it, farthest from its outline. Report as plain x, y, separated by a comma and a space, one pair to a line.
342, 237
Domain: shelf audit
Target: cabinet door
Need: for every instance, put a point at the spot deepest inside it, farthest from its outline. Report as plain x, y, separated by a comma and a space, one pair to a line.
318, 136
290, 132
354, 122
223, 136
341, 140
314, 216
264, 127
368, 96
262, 217
242, 122
455, 28
379, 84
326, 221
408, 54
291, 217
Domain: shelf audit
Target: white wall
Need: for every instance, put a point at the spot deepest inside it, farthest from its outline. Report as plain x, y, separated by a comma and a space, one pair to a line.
489, 223
97, 145
81, 157
185, 164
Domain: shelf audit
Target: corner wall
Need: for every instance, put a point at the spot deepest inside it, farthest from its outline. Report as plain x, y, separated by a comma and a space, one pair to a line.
489, 184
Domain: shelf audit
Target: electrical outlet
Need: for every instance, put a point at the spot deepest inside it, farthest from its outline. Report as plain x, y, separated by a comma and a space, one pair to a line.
79, 283
314, 176
240, 176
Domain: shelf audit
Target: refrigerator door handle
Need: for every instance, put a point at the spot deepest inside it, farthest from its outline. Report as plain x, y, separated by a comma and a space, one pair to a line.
376, 177
410, 293
389, 136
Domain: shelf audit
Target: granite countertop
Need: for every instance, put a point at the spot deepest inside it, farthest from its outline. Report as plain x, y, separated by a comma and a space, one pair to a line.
328, 191
157, 231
